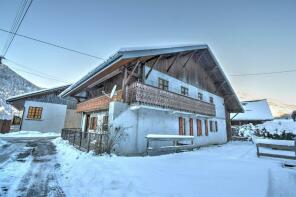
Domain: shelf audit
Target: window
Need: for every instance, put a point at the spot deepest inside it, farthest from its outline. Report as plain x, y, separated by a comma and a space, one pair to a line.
211, 100
184, 91
93, 123
211, 126
216, 126
105, 123
200, 96
163, 84
34, 113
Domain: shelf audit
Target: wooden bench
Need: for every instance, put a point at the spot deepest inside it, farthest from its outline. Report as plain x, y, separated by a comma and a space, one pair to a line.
277, 147
175, 147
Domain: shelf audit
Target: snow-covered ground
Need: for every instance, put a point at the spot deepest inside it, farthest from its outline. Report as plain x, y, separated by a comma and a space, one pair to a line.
229, 170
28, 134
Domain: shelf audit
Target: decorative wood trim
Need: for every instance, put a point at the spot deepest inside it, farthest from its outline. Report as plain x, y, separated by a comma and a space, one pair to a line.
146, 94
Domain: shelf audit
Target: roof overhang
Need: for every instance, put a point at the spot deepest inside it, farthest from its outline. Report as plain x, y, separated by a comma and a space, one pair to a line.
126, 55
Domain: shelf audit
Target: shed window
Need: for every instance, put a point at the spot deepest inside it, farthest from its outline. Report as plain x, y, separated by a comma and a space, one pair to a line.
200, 96
163, 84
35, 113
184, 91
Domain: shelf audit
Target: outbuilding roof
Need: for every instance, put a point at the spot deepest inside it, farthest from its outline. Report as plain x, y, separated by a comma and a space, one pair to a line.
36, 93
138, 52
254, 110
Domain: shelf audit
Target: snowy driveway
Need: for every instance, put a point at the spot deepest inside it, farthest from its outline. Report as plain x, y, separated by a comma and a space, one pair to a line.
28, 168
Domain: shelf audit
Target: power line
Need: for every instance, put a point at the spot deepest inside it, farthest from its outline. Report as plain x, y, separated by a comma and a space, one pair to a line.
18, 26
15, 21
263, 73
52, 44
30, 71
34, 70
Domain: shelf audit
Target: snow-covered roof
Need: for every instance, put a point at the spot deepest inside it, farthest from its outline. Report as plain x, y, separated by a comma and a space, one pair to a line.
35, 93
138, 52
254, 110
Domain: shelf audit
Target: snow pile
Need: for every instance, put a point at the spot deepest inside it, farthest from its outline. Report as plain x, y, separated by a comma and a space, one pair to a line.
276, 142
28, 134
228, 169
2, 142
279, 128
279, 125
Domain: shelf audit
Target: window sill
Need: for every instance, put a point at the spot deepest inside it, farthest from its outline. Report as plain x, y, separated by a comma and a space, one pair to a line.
33, 119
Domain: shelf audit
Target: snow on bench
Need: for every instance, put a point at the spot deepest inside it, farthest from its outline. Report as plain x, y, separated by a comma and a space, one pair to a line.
276, 145
177, 146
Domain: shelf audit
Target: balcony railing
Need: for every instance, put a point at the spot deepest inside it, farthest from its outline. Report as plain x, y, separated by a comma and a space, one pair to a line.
149, 95
98, 103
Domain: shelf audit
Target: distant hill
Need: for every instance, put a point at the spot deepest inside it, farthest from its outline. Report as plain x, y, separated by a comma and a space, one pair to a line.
12, 84
278, 108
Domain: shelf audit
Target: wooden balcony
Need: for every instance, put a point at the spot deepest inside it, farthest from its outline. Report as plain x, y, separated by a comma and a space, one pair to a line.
98, 103
149, 95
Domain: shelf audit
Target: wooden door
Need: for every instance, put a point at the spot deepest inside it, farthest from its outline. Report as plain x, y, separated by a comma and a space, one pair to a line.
181, 126
87, 121
191, 126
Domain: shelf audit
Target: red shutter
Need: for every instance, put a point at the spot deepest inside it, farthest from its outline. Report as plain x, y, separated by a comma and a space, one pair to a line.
181, 129
199, 127
207, 129
191, 126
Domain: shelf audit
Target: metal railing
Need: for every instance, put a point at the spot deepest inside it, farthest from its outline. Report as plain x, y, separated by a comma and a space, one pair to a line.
146, 94
85, 141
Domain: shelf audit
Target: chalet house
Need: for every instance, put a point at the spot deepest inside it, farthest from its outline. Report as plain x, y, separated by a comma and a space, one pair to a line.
255, 112
178, 90
44, 111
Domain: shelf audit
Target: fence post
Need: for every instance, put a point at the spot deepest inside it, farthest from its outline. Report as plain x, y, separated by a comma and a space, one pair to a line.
257, 150
88, 142
80, 135
295, 145
74, 138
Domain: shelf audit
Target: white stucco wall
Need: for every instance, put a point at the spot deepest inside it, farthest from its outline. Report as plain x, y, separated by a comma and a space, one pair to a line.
140, 121
52, 119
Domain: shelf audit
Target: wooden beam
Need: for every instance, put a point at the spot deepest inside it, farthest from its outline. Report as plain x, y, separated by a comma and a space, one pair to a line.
201, 55
133, 71
220, 86
157, 60
173, 62
189, 58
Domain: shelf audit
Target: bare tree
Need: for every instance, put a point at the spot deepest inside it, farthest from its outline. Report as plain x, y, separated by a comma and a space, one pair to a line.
107, 142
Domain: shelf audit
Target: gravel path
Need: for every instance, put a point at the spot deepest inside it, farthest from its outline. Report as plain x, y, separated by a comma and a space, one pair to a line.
28, 168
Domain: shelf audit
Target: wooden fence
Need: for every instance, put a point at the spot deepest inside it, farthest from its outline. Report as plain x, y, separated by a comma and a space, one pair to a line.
276, 147
85, 141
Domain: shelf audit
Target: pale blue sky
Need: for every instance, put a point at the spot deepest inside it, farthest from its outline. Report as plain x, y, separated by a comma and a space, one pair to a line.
245, 36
